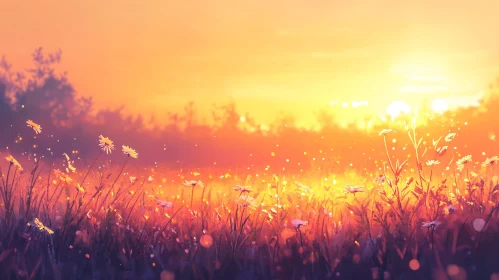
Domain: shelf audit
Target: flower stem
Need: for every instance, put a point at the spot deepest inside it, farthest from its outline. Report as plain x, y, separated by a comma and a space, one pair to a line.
192, 195
90, 168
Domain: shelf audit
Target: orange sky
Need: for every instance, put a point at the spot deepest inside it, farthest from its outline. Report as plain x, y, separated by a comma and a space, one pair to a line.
270, 56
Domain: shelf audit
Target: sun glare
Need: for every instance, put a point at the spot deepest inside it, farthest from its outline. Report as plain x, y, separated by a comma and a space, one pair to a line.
439, 106
398, 108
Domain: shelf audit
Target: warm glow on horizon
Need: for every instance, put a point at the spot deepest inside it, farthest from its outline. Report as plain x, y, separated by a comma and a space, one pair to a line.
439, 106
398, 108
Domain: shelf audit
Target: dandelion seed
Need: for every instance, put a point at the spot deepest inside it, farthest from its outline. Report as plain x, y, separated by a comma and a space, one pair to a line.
106, 144
353, 189
133, 179
450, 137
491, 161
385, 132
243, 189
36, 127
130, 152
193, 184
247, 201
164, 204
432, 224
464, 160
297, 223
432, 162
14, 162
150, 179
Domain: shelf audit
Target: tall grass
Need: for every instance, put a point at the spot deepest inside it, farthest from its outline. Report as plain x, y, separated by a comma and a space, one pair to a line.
403, 225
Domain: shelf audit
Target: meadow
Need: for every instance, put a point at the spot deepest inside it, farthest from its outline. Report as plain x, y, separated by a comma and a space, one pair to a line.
118, 221
98, 195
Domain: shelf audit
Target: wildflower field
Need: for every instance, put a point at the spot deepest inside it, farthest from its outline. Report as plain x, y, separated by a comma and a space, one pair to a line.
98, 195
434, 220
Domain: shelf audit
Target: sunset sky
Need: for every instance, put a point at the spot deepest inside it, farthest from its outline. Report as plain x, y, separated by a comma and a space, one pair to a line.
269, 56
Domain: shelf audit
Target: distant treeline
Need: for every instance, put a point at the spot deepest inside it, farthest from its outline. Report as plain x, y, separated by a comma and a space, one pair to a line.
71, 125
